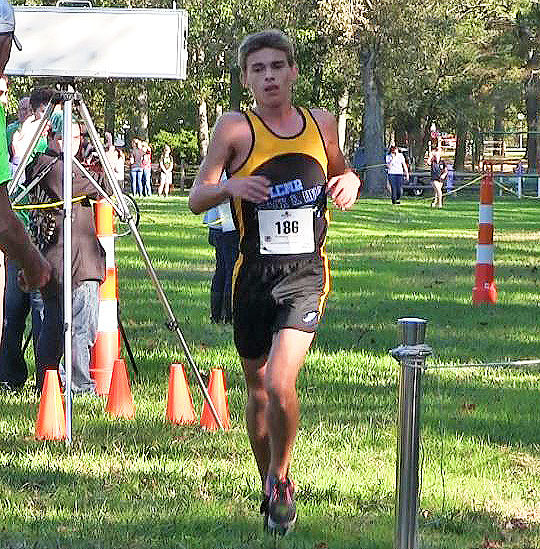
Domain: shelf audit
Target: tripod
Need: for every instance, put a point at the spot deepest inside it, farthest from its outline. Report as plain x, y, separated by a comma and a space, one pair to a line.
70, 100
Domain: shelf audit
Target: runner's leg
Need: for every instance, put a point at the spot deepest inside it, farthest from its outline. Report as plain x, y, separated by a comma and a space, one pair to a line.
254, 372
286, 357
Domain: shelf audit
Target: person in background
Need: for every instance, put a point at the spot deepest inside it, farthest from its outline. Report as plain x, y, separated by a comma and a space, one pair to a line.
397, 171
224, 237
23, 112
135, 166
88, 261
116, 159
166, 165
439, 172
147, 169
17, 304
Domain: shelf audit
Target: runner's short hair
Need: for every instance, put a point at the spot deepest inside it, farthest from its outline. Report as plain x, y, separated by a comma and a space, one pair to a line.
271, 38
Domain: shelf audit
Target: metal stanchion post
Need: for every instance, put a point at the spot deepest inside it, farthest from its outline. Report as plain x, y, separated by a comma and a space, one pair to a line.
411, 354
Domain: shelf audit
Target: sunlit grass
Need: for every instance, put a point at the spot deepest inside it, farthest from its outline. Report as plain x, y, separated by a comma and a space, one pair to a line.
147, 484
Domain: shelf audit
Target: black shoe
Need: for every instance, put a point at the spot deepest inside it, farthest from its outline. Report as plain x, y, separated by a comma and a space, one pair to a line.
264, 511
281, 506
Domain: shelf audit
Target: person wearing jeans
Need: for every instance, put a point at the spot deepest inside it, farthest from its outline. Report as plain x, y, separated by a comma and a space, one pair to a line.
87, 262
136, 170
147, 169
397, 170
17, 304
84, 303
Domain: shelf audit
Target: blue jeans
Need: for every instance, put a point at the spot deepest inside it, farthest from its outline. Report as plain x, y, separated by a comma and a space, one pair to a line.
147, 181
85, 303
136, 181
395, 180
226, 245
17, 305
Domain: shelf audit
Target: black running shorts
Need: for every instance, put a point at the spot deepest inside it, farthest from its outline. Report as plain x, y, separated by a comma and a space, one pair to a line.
270, 296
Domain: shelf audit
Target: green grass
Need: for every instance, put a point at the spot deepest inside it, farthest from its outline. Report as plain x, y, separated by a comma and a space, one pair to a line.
146, 484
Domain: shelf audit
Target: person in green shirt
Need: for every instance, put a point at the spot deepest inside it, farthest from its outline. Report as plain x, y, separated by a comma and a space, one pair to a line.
14, 240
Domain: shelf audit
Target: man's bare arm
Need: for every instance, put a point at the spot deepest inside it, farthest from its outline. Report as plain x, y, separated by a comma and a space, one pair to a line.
208, 190
16, 244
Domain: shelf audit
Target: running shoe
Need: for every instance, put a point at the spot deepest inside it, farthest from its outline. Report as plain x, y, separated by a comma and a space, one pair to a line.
281, 506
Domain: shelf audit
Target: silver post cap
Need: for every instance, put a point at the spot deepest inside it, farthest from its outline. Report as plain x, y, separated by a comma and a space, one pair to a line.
413, 330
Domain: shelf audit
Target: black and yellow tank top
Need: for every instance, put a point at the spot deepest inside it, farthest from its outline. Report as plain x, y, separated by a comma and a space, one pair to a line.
292, 223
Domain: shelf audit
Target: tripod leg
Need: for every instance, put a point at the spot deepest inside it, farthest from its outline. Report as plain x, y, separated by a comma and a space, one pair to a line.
172, 324
126, 343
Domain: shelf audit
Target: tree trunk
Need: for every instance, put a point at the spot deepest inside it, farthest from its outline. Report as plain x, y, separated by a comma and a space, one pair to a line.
499, 108
531, 101
235, 89
203, 128
461, 144
317, 83
142, 111
110, 107
343, 104
375, 181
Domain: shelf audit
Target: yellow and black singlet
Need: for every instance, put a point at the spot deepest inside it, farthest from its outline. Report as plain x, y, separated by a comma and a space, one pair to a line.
292, 223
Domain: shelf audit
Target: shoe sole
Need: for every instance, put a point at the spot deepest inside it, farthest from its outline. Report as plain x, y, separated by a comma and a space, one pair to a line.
277, 528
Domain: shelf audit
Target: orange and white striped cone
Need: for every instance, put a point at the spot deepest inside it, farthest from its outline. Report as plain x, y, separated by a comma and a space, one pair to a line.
484, 290
107, 347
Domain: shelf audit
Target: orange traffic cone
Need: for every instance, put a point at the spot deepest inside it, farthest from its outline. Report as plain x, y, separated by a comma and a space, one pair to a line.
484, 290
107, 347
120, 399
179, 403
51, 420
218, 394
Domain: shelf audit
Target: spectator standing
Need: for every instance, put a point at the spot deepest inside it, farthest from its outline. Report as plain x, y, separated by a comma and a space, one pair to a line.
136, 169
224, 237
147, 169
166, 165
23, 112
397, 171
17, 304
439, 172
88, 262
116, 159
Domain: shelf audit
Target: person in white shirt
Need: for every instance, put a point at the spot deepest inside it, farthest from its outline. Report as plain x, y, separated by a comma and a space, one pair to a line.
397, 170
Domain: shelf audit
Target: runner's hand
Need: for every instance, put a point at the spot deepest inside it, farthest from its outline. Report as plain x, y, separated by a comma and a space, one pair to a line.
255, 188
343, 190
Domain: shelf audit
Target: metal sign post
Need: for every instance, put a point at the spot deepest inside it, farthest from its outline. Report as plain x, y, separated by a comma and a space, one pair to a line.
411, 354
68, 217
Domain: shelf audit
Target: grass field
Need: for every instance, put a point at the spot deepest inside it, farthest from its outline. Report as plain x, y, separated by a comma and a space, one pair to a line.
146, 484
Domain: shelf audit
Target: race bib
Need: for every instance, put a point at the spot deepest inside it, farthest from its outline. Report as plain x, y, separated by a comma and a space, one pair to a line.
286, 231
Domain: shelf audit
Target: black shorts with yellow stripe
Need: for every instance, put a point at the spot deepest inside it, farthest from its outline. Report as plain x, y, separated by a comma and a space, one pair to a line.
269, 296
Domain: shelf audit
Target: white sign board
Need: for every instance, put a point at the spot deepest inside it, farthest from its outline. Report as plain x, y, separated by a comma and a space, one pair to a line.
100, 42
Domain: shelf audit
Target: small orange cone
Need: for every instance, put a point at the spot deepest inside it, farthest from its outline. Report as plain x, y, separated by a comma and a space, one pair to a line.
120, 399
218, 394
179, 403
51, 420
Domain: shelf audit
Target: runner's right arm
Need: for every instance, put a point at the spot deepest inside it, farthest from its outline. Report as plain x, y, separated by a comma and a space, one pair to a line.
208, 191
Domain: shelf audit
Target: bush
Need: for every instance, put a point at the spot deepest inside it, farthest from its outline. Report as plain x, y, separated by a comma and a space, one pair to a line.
183, 146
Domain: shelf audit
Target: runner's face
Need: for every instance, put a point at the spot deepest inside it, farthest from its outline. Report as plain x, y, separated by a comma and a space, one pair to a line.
269, 77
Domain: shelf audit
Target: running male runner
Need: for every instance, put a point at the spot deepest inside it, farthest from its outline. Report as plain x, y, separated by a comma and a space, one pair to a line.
282, 162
